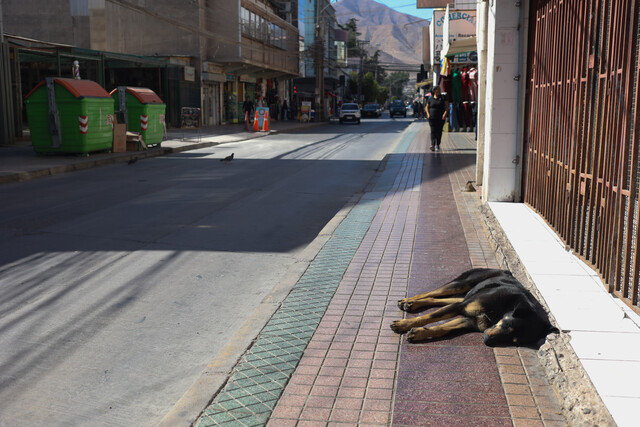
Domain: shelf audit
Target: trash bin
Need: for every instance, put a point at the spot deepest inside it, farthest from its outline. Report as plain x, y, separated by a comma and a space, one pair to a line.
142, 110
70, 116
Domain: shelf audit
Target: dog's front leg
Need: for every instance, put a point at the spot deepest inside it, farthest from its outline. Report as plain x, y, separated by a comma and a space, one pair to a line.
401, 326
421, 334
419, 304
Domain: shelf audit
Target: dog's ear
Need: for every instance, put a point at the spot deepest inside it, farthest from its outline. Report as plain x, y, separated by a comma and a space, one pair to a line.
521, 310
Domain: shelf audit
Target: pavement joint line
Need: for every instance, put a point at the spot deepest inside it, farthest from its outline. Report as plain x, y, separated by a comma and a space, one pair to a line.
294, 322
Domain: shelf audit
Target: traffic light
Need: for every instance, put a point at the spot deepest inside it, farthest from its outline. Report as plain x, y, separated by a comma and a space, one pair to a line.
295, 90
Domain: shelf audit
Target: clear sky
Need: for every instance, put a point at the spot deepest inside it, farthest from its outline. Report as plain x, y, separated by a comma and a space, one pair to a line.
408, 7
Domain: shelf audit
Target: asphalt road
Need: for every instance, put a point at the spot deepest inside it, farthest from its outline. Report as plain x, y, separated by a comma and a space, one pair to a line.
120, 285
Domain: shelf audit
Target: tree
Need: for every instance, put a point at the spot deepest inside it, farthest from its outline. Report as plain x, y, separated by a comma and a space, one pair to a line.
353, 49
372, 90
372, 63
396, 83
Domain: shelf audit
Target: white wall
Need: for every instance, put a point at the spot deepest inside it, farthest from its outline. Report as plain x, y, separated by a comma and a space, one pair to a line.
502, 104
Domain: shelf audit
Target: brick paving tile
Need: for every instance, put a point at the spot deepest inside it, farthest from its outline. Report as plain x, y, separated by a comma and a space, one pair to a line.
356, 371
520, 400
525, 422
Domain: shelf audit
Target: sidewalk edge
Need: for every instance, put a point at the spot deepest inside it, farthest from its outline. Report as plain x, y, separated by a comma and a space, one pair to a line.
581, 402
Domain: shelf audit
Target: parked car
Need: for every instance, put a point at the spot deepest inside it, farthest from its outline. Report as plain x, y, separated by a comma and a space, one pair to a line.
349, 112
371, 110
397, 107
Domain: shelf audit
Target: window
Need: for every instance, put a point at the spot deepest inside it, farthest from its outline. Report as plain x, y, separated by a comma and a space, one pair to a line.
254, 25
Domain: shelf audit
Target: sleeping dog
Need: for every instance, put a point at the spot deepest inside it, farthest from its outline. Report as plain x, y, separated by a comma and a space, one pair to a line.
488, 300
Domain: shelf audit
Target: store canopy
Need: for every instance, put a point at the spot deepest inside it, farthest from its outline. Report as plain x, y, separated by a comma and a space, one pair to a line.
424, 83
463, 45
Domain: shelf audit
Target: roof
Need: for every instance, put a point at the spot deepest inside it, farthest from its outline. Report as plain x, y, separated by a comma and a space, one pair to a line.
142, 94
77, 88
462, 45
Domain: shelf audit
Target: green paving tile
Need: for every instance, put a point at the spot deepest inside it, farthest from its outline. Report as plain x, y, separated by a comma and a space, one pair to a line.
259, 379
255, 420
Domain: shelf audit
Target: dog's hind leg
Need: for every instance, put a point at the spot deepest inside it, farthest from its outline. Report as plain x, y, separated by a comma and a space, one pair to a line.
403, 325
458, 286
421, 334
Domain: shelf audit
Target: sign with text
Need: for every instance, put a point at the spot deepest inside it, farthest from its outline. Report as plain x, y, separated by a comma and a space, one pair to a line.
432, 3
457, 24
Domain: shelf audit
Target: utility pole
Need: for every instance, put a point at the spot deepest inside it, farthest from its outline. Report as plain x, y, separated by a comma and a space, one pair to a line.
1, 25
7, 118
362, 54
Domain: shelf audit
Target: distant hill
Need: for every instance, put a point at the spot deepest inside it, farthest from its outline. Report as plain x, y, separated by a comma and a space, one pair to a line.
395, 34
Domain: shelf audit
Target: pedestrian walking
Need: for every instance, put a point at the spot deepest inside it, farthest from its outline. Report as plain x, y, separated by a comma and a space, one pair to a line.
247, 107
436, 114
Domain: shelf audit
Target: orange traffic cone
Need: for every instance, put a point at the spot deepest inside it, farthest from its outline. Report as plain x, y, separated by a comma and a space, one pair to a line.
255, 122
265, 126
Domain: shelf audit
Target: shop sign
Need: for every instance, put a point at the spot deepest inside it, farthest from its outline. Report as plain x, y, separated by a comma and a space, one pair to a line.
231, 78
461, 24
432, 3
245, 78
212, 68
436, 35
213, 77
190, 74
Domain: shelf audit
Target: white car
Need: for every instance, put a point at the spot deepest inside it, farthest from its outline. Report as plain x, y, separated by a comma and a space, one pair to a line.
350, 112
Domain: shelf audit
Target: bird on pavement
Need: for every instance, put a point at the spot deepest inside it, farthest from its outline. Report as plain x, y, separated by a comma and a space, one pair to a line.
469, 188
132, 161
228, 158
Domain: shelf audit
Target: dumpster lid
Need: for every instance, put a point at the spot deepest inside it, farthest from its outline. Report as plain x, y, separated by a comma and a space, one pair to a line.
142, 94
77, 88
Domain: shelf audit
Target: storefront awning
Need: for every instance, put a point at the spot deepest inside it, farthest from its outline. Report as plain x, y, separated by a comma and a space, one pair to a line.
463, 45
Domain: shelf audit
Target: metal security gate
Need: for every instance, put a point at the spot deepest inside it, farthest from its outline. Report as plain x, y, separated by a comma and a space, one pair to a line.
582, 132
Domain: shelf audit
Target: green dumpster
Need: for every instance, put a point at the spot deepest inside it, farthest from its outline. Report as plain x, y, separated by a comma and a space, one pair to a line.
70, 116
143, 111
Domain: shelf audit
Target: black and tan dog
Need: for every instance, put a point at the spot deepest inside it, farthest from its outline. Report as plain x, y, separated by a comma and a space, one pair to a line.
490, 301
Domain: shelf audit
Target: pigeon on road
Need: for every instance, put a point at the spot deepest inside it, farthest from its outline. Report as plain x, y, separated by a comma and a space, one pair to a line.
132, 161
228, 158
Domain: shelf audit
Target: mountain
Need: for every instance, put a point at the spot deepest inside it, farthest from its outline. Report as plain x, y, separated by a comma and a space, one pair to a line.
397, 35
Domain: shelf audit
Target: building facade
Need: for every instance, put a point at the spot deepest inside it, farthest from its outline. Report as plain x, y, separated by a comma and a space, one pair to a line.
319, 56
203, 55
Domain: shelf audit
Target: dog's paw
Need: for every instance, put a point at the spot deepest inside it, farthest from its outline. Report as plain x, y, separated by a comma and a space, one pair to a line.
400, 326
417, 334
405, 304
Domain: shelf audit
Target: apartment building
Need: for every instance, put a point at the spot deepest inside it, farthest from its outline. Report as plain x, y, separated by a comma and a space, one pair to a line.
205, 55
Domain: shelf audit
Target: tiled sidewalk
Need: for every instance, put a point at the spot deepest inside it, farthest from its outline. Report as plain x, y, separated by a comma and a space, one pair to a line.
413, 230
531, 400
348, 373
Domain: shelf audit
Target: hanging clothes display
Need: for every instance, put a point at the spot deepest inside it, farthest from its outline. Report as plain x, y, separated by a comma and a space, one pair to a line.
444, 68
456, 84
473, 84
459, 86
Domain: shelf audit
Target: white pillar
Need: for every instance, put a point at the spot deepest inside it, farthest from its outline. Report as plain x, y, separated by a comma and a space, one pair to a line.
501, 102
482, 8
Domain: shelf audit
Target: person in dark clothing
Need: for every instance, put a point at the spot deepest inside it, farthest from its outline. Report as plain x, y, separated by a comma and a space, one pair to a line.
247, 107
436, 114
